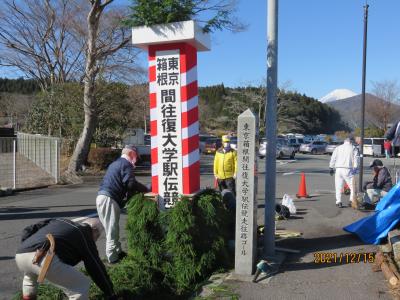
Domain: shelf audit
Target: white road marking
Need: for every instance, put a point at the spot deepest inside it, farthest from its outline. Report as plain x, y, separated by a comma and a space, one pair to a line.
285, 162
291, 173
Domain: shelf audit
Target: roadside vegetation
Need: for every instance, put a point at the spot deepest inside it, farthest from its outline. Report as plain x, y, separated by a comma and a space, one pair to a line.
170, 254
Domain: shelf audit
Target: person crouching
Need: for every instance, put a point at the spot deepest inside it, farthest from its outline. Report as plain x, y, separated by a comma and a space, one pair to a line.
380, 184
73, 243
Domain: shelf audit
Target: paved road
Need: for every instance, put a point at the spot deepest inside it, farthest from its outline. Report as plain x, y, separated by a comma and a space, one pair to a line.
321, 223
318, 218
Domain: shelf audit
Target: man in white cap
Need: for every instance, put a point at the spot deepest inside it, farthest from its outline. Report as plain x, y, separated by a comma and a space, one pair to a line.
344, 161
118, 186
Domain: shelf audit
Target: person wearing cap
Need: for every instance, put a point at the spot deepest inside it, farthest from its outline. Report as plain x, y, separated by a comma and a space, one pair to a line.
344, 164
380, 184
225, 166
73, 242
118, 186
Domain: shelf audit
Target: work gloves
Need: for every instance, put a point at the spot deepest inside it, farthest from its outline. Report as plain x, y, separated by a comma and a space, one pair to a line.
331, 171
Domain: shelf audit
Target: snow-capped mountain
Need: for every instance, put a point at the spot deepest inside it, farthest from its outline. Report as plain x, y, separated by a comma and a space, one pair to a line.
337, 94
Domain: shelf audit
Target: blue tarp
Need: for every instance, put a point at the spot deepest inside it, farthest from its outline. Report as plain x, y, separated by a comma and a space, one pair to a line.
375, 227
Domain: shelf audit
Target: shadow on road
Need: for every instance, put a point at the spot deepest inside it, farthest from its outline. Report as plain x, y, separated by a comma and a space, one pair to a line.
13, 209
6, 257
47, 215
329, 244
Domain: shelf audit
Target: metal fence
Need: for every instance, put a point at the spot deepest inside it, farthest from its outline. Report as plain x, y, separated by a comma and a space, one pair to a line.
29, 160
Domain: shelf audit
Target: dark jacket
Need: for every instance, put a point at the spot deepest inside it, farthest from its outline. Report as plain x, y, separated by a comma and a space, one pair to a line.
119, 182
381, 181
74, 243
393, 134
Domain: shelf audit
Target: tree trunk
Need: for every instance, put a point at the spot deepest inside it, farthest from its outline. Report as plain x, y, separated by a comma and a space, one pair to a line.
79, 157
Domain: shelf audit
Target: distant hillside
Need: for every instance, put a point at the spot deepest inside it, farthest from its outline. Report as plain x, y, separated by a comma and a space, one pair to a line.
350, 110
220, 106
19, 86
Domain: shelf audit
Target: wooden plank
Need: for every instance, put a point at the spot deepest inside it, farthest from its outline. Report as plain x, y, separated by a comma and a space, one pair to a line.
392, 267
389, 275
379, 258
394, 240
385, 248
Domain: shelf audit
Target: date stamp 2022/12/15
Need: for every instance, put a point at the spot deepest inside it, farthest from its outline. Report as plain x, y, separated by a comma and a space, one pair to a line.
343, 257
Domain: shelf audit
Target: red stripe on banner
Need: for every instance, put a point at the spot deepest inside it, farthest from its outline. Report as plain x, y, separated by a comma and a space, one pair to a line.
154, 184
152, 73
153, 100
152, 53
189, 91
188, 58
191, 178
190, 117
190, 144
153, 128
154, 156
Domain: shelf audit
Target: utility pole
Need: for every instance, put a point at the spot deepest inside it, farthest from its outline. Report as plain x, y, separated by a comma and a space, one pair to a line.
364, 66
270, 123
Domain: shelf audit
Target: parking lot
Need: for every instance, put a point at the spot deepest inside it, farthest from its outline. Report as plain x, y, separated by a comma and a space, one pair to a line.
318, 219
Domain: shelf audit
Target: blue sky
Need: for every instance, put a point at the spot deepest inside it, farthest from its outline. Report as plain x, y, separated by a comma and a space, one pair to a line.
320, 46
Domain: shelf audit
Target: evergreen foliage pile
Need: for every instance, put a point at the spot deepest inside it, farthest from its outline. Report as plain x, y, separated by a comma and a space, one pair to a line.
145, 241
196, 240
169, 253
214, 14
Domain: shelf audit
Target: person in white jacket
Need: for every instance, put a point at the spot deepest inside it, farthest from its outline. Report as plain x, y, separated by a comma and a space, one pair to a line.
345, 161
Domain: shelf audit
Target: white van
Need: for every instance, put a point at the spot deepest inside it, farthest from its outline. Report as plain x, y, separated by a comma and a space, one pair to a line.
374, 147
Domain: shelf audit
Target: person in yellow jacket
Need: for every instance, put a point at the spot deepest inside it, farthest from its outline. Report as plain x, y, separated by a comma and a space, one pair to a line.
225, 166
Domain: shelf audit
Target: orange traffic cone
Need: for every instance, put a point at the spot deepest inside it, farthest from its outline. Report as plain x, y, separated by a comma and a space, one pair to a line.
302, 187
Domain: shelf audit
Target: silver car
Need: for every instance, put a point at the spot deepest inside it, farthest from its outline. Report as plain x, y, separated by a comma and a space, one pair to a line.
315, 147
283, 149
331, 147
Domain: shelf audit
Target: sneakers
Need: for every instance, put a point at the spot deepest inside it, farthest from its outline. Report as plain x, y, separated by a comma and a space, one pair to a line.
121, 256
340, 205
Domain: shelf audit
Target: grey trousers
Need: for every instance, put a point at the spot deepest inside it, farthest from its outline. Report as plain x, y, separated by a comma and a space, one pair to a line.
73, 283
109, 213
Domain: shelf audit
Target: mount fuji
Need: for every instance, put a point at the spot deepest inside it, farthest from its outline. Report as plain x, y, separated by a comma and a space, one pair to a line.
337, 94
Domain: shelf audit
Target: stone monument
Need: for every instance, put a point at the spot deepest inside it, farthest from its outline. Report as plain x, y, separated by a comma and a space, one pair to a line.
246, 198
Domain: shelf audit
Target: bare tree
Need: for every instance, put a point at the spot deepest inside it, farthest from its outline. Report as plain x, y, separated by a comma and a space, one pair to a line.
383, 109
139, 100
15, 108
106, 40
36, 39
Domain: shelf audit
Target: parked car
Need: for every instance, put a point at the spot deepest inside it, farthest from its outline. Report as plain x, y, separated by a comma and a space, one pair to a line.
315, 147
295, 142
202, 141
283, 149
331, 147
212, 144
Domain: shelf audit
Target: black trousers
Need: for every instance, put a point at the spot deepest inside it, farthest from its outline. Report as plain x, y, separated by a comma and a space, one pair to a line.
228, 183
